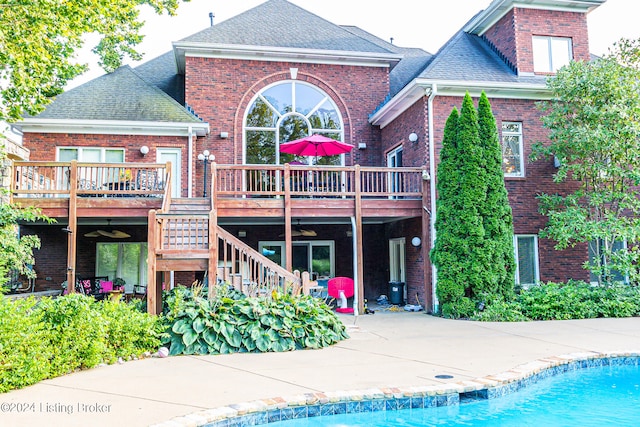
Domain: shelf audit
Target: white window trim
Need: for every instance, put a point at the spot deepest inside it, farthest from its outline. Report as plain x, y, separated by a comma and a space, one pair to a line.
281, 116
520, 136
103, 151
549, 39
595, 282
536, 263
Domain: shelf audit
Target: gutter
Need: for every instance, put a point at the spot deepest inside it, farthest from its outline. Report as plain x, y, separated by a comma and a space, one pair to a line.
432, 92
190, 166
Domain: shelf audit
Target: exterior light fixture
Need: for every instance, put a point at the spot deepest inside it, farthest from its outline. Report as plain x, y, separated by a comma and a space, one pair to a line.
144, 150
242, 233
206, 158
413, 137
416, 241
224, 135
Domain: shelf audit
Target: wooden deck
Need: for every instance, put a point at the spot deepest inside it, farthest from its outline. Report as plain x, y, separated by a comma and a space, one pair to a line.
115, 190
189, 237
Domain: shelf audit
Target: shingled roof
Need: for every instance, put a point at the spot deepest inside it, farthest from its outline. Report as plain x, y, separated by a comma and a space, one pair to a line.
121, 95
279, 23
468, 57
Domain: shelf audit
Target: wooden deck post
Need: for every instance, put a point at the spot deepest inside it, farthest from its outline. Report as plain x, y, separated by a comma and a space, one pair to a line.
72, 227
288, 242
213, 254
152, 285
359, 274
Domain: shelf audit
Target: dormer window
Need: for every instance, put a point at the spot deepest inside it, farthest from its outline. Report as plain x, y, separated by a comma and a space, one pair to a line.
551, 53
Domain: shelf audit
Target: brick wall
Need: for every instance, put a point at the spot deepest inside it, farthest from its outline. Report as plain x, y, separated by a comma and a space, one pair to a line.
43, 147
512, 34
220, 91
554, 265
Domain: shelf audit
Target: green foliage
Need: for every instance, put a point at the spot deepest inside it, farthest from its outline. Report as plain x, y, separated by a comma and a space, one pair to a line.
87, 332
563, 301
77, 337
445, 255
17, 251
461, 308
231, 323
51, 337
501, 311
496, 213
39, 40
25, 352
473, 251
594, 130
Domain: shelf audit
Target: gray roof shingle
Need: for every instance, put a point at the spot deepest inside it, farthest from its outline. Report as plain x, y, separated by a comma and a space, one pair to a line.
121, 95
163, 73
281, 24
467, 57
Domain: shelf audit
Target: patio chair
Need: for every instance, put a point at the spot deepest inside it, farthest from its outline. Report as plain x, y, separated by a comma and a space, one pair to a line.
341, 288
147, 180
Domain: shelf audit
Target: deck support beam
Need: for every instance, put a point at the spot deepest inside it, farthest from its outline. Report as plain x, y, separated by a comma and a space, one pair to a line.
72, 228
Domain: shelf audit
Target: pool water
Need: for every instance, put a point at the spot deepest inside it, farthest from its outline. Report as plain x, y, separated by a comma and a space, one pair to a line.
598, 396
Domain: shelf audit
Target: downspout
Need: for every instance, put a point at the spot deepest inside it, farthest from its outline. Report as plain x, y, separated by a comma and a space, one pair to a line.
190, 168
432, 191
357, 279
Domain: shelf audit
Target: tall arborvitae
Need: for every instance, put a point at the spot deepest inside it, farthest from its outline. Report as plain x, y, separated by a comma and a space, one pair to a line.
473, 251
445, 254
458, 252
496, 212
473, 194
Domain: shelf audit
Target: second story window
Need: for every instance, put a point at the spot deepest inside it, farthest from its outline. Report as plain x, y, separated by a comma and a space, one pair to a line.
551, 53
512, 159
286, 111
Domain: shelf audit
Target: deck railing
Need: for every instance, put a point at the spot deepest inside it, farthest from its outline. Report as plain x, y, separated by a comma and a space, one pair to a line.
187, 236
248, 271
316, 181
61, 179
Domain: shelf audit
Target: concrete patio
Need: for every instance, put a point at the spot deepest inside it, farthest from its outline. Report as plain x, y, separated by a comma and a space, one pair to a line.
387, 349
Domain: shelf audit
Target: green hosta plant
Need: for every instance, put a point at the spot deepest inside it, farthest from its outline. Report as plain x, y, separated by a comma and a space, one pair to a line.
232, 323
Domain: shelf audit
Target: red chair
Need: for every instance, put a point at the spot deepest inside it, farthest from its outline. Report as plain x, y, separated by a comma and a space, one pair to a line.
341, 288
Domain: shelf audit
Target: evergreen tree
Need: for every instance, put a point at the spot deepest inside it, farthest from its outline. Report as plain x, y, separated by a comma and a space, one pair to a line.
473, 251
445, 254
496, 212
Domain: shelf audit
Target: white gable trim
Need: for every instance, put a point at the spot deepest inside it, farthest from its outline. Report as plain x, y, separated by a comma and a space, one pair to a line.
111, 127
421, 87
265, 53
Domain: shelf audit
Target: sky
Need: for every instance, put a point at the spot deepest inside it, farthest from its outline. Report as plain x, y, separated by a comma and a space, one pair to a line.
425, 24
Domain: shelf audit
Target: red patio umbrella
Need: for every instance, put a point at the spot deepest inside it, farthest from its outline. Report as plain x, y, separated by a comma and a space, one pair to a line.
315, 145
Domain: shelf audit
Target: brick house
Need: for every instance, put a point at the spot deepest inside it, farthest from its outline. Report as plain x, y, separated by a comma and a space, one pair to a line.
275, 73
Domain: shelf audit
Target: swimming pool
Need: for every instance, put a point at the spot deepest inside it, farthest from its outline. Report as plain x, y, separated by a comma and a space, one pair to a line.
599, 396
554, 391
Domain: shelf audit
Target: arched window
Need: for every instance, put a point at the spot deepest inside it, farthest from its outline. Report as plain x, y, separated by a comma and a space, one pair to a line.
286, 111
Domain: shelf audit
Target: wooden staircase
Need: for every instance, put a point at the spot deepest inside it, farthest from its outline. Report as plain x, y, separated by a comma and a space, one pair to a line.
187, 237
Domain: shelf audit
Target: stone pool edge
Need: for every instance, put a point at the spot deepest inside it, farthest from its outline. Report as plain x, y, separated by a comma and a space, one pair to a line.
264, 411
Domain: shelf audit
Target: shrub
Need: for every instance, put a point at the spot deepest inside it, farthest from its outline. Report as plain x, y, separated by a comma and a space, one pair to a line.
51, 337
77, 333
461, 308
233, 323
563, 301
128, 331
501, 311
24, 344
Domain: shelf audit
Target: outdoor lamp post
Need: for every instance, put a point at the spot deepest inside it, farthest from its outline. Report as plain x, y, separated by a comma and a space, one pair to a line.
206, 158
